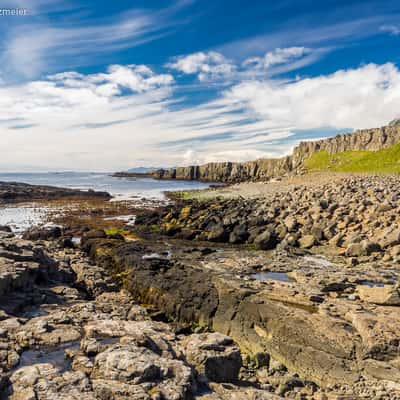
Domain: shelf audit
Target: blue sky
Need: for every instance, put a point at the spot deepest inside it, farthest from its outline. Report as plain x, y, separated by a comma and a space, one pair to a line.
100, 85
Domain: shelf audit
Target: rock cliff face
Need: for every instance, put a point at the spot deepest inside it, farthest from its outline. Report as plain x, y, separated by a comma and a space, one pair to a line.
366, 139
229, 171
263, 169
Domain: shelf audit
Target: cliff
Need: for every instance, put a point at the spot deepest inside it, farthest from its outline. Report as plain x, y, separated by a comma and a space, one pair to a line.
366, 139
264, 169
229, 171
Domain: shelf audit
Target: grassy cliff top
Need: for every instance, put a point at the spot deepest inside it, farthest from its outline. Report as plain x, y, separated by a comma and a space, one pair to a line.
380, 161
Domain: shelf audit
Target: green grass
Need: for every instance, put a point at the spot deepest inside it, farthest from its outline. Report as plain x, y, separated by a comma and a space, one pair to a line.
115, 231
381, 161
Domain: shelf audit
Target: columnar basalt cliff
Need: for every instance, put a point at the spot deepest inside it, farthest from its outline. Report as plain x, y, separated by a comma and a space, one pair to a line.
263, 169
229, 171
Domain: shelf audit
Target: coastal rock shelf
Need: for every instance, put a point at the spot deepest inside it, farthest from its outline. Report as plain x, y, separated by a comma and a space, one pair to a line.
319, 325
67, 331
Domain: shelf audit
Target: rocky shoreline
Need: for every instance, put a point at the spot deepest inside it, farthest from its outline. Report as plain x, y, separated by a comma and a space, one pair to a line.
333, 320
356, 215
293, 294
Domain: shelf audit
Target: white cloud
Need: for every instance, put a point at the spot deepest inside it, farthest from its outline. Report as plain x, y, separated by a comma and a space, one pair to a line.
214, 66
124, 117
276, 57
137, 78
392, 29
191, 157
364, 97
207, 66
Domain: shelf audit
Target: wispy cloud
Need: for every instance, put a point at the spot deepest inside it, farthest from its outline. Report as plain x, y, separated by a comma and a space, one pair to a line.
215, 67
297, 32
99, 125
41, 43
276, 57
207, 66
22, 126
392, 29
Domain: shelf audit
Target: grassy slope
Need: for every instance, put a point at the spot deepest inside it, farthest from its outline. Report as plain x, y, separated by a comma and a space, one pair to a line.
381, 161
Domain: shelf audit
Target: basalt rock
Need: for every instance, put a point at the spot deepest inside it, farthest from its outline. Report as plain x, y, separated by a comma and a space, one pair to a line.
346, 214
43, 233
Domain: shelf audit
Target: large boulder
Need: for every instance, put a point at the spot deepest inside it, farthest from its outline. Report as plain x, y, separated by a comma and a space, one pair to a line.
291, 223
94, 234
44, 233
239, 234
307, 241
387, 295
132, 366
44, 381
215, 356
364, 248
217, 233
265, 240
389, 237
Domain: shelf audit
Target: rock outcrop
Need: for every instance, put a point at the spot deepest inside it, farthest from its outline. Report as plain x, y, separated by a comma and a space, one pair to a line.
17, 192
264, 169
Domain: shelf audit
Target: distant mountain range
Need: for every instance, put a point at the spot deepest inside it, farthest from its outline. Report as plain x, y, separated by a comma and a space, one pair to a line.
142, 170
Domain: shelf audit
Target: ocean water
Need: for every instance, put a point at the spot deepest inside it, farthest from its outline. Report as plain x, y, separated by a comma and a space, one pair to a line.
120, 188
23, 216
